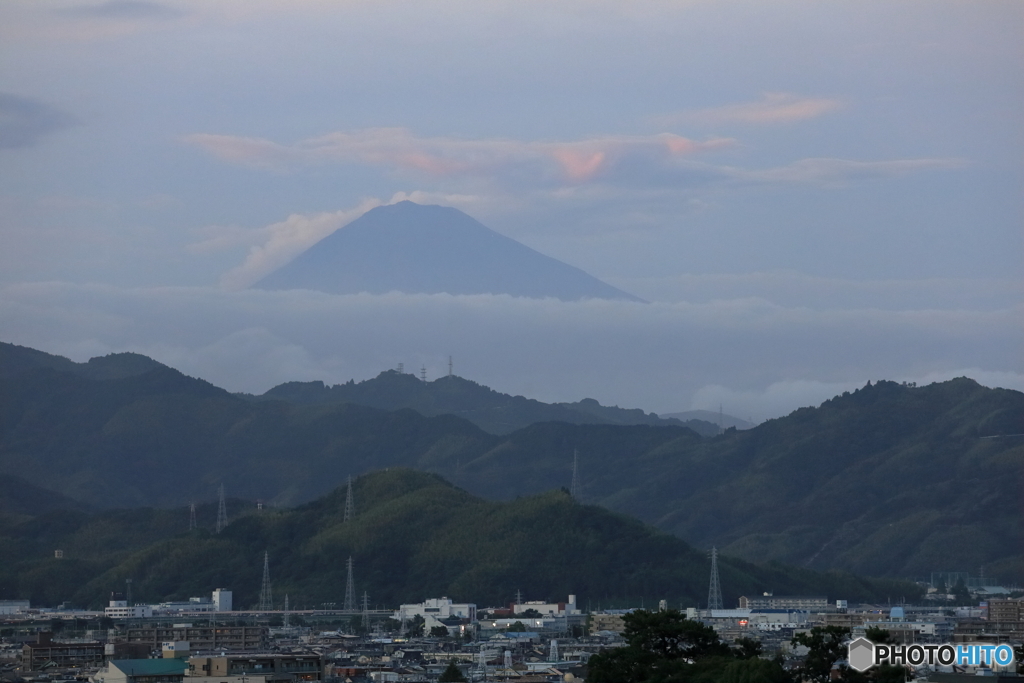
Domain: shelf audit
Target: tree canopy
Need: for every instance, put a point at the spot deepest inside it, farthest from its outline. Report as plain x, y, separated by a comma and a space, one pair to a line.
666, 647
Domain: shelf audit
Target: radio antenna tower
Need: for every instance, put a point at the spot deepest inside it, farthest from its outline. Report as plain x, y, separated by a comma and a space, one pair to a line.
715, 589
222, 511
349, 504
576, 488
350, 590
266, 598
449, 366
423, 373
192, 516
401, 368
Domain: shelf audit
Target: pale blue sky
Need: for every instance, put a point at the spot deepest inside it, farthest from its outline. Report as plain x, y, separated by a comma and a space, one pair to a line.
854, 167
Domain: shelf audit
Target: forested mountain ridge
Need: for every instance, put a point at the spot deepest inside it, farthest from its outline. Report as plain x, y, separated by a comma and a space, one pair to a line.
492, 411
413, 535
889, 480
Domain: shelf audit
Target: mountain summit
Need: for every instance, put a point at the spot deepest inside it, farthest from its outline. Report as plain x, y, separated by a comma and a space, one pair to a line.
416, 248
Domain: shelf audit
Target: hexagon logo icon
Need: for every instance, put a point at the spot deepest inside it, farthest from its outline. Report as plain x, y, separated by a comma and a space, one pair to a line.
861, 654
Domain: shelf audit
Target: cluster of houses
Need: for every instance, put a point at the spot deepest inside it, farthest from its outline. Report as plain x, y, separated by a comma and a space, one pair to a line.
524, 641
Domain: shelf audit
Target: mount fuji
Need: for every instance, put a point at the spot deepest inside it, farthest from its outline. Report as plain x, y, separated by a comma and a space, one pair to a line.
414, 248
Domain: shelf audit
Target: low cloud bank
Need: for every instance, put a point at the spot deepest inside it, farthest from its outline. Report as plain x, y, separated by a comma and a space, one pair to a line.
758, 359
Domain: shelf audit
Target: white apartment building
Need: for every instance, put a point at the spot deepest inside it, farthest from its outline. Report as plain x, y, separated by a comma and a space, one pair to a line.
438, 608
548, 609
119, 609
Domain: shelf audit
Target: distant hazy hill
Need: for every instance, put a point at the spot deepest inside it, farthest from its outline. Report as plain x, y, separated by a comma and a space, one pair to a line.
888, 480
709, 416
490, 410
413, 248
16, 359
19, 497
413, 536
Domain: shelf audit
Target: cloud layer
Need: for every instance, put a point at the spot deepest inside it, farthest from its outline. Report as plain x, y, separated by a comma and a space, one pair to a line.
399, 149
24, 122
772, 108
760, 360
624, 164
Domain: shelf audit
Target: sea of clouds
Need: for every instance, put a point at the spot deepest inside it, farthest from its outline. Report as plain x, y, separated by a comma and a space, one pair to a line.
756, 358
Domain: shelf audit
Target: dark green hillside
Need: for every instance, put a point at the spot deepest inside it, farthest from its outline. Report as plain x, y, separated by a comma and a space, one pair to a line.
490, 410
19, 497
890, 480
413, 536
161, 438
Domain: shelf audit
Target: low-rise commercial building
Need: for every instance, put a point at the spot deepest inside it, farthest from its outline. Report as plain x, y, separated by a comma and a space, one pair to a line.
142, 671
548, 609
14, 606
272, 668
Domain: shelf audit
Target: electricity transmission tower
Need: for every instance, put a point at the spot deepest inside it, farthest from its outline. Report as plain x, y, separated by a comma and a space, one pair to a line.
222, 511
576, 488
266, 598
349, 504
350, 590
715, 589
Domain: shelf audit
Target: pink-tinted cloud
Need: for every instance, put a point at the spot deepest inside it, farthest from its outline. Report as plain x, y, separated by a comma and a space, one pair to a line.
579, 166
398, 149
841, 171
772, 108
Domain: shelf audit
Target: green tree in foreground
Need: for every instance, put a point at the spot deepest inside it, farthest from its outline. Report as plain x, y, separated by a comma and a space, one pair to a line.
452, 674
666, 647
825, 645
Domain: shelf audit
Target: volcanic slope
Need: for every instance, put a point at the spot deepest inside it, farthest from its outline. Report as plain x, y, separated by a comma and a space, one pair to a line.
414, 248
